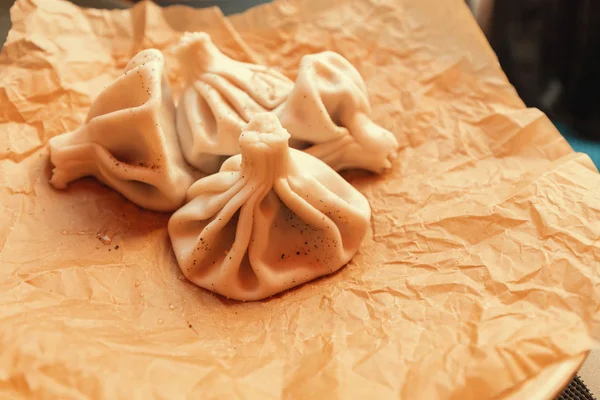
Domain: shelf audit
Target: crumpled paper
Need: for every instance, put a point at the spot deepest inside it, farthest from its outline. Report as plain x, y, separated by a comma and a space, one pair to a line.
480, 269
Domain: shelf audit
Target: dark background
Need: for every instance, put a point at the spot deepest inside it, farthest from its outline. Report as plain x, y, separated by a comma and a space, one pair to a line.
550, 51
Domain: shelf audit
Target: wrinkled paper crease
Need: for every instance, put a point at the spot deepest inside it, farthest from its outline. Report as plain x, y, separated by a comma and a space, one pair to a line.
481, 267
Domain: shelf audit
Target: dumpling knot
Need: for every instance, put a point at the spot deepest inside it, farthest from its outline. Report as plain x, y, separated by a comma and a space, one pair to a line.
197, 53
264, 146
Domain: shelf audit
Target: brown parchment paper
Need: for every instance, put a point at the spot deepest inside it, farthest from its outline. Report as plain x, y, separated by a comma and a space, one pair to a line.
480, 270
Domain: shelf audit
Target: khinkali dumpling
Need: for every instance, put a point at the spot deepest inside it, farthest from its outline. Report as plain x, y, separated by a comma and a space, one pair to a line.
222, 96
329, 110
128, 140
271, 219
326, 111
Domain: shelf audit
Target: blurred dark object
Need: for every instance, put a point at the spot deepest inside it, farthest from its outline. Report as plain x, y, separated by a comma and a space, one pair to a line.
577, 390
550, 51
102, 4
227, 6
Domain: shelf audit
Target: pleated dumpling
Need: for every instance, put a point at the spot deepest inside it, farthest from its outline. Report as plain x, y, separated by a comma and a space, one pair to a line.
326, 111
221, 97
271, 219
329, 110
128, 140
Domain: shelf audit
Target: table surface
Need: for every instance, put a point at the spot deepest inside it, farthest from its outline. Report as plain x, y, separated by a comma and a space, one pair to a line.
590, 373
